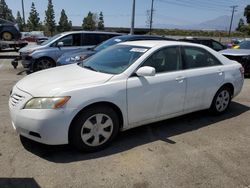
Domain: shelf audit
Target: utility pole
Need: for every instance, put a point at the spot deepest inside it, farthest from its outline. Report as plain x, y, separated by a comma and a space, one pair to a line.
23, 13
232, 17
151, 17
133, 19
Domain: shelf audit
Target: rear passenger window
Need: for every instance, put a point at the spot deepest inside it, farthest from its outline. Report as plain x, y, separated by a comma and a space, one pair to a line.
165, 60
90, 39
194, 57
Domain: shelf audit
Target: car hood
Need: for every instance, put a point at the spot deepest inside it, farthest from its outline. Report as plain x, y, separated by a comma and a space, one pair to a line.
30, 47
52, 82
235, 52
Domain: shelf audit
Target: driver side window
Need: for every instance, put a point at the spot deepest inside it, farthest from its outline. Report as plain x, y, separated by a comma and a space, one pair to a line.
165, 60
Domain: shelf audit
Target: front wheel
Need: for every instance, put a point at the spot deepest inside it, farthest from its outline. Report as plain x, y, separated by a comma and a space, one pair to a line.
221, 101
94, 128
43, 63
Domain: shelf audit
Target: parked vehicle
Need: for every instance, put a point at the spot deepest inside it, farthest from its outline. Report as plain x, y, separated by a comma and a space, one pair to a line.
81, 54
245, 44
45, 55
9, 30
240, 55
34, 36
121, 87
217, 46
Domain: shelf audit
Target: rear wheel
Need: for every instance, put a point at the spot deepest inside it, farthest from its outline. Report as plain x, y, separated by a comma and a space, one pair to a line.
94, 128
7, 36
43, 63
221, 101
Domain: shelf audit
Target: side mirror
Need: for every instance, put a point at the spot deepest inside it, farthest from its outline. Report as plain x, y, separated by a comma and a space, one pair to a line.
146, 71
60, 44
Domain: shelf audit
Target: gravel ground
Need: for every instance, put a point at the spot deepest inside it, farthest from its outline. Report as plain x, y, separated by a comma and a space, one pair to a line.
195, 150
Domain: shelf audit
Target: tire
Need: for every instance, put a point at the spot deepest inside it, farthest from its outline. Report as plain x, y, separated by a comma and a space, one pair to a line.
93, 129
221, 101
42, 63
7, 36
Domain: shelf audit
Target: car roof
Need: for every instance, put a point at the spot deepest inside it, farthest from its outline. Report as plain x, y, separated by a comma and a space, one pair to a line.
160, 43
141, 37
92, 32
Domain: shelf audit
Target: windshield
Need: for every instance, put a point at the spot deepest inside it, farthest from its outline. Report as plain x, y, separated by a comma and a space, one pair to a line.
107, 43
114, 60
245, 44
51, 39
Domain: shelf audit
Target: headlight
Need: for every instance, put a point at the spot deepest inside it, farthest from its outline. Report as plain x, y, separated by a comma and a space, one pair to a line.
46, 103
76, 58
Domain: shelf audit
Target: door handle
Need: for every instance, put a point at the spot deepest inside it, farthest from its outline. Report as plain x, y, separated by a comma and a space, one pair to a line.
220, 72
180, 79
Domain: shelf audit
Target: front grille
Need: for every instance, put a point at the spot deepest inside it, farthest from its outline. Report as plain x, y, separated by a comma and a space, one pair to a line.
15, 99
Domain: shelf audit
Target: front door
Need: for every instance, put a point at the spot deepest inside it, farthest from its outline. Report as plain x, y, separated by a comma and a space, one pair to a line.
160, 95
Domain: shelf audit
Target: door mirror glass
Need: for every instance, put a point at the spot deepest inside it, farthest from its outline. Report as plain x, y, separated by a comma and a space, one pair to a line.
146, 71
60, 44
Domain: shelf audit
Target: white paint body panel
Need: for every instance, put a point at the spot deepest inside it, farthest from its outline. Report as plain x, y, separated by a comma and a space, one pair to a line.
140, 99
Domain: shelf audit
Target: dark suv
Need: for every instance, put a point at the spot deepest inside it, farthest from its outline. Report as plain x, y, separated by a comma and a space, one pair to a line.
217, 46
9, 30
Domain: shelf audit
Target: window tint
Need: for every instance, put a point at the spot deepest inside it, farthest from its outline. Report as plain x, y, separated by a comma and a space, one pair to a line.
196, 57
217, 46
206, 43
165, 60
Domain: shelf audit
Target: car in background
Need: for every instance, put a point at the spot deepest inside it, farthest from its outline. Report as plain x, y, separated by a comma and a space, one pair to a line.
124, 86
9, 30
81, 54
242, 56
215, 45
34, 36
45, 55
245, 44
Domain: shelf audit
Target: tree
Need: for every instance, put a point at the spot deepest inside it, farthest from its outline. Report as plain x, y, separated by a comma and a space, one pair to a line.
89, 22
50, 23
100, 25
19, 21
64, 24
33, 20
5, 12
240, 25
247, 13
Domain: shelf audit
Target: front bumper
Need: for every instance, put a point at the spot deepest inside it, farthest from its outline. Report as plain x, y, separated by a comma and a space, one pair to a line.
26, 60
48, 126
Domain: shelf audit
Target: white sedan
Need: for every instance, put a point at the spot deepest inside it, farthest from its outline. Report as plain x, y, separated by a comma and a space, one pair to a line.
124, 86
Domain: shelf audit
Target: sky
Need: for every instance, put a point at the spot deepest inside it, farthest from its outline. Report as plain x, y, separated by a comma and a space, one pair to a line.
117, 13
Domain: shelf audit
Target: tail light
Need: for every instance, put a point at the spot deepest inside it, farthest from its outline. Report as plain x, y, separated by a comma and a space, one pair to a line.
242, 71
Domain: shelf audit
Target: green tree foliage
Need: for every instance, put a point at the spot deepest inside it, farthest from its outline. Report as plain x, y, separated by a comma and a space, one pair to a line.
89, 22
33, 22
100, 25
64, 24
247, 13
5, 12
19, 21
240, 25
50, 23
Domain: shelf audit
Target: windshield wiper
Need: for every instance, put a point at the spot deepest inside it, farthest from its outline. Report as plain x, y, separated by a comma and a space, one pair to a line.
89, 67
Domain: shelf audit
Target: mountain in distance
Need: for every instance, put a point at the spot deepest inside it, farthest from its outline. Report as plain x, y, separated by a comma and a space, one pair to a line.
219, 23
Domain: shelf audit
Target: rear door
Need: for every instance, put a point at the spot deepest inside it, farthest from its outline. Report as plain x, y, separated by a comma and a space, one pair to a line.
204, 74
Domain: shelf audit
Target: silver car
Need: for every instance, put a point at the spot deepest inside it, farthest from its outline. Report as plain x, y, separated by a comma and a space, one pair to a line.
38, 57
